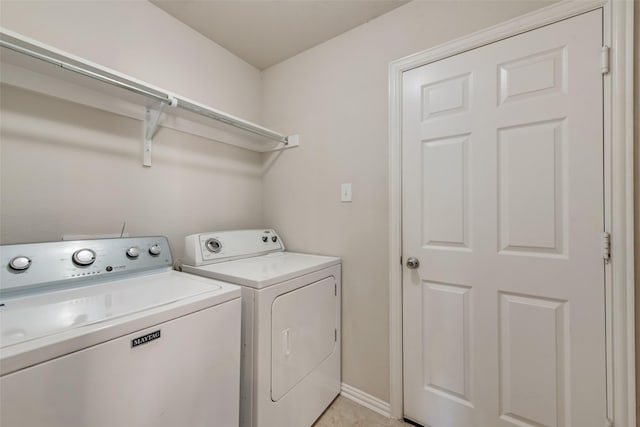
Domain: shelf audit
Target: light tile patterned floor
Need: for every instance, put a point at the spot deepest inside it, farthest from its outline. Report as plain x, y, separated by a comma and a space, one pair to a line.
344, 412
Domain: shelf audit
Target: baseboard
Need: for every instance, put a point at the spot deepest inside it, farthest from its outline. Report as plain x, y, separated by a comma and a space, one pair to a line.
366, 400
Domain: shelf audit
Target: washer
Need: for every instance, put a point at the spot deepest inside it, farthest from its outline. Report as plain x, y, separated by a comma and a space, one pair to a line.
104, 333
290, 323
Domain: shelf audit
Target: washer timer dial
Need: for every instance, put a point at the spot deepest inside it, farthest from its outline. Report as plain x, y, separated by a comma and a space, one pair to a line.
133, 252
84, 257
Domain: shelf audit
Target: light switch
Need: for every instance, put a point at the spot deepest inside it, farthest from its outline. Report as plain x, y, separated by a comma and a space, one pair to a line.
345, 192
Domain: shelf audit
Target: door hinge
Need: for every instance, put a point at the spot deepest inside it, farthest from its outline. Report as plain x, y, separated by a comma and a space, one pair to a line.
605, 59
608, 423
335, 335
335, 289
606, 247
400, 259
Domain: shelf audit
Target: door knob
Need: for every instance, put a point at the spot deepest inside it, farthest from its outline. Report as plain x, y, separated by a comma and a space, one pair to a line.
413, 263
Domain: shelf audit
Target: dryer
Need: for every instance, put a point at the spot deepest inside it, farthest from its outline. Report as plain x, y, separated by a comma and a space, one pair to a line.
290, 368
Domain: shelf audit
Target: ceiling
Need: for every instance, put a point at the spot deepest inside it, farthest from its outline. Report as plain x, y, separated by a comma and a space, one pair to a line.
265, 32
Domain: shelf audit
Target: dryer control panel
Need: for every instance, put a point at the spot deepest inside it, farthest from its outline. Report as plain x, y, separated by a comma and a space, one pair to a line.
218, 246
42, 264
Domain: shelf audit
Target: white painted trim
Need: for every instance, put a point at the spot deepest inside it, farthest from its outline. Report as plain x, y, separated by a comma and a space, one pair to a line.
621, 204
618, 32
365, 399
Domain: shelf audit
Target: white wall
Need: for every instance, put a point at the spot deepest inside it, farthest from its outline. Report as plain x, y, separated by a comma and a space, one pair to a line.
637, 195
335, 96
67, 169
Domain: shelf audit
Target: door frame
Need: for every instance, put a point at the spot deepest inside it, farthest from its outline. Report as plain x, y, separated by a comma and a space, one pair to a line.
618, 191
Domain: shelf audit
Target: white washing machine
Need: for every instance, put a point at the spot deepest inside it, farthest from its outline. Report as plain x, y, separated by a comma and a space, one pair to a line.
104, 333
290, 323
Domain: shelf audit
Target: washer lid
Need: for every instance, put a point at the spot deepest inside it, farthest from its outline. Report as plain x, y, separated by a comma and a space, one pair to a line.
47, 324
266, 270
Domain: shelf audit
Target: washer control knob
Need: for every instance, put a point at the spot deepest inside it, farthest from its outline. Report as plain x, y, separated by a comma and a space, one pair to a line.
265, 238
274, 239
133, 252
20, 263
155, 250
83, 257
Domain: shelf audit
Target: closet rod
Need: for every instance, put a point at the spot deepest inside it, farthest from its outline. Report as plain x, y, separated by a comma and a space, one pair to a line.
85, 72
233, 121
167, 99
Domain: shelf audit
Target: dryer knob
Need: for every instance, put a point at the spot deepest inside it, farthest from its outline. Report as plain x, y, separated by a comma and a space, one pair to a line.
265, 239
83, 257
155, 250
20, 263
274, 239
213, 245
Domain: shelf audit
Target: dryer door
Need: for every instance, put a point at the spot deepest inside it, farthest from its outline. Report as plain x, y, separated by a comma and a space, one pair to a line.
303, 333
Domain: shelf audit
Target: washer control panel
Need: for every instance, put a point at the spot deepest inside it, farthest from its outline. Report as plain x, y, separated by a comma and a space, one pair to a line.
218, 246
40, 264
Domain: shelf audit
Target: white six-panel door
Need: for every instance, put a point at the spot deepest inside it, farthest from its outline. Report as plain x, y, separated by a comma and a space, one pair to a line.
504, 319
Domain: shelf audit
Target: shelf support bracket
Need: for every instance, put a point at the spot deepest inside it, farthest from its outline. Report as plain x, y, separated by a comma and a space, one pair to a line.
151, 122
292, 141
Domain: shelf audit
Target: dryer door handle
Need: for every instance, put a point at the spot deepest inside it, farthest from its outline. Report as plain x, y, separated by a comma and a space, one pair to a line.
286, 342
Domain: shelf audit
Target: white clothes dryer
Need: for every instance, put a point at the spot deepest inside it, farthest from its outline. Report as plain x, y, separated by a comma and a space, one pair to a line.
290, 369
